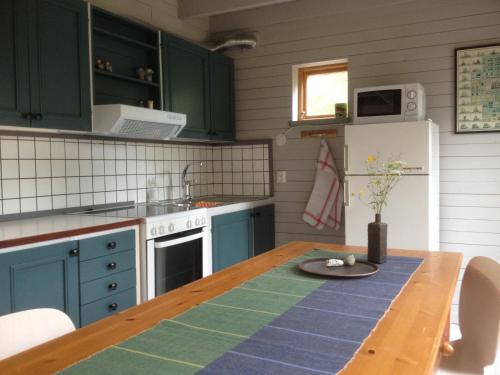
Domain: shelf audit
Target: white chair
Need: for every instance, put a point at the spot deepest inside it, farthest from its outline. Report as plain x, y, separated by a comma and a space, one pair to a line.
23, 330
477, 352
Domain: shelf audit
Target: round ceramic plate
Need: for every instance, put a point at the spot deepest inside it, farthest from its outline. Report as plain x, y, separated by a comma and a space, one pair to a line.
318, 267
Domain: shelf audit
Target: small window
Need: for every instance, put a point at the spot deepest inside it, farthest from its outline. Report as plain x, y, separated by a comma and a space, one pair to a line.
320, 88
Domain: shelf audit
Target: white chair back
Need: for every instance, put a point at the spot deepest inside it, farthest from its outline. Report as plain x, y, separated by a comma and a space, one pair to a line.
479, 309
23, 330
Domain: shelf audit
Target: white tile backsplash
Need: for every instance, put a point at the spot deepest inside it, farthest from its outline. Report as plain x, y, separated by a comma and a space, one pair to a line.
10, 169
43, 187
9, 149
28, 188
26, 149
38, 173
57, 149
42, 149
27, 168
10, 189
43, 168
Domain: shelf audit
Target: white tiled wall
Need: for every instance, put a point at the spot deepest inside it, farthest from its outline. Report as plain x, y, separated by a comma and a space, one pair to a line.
50, 173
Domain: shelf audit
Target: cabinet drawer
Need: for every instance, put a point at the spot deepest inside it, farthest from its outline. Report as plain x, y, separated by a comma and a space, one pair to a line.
107, 306
108, 265
108, 244
106, 286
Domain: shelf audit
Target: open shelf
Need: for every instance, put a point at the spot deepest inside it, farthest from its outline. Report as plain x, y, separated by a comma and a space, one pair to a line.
125, 39
127, 46
125, 78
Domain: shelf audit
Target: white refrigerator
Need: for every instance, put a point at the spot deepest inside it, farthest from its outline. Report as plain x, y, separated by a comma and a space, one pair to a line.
412, 213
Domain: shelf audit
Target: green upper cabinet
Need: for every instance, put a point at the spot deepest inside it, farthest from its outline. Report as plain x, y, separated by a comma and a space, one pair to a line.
59, 67
45, 276
222, 97
186, 84
200, 84
14, 76
46, 65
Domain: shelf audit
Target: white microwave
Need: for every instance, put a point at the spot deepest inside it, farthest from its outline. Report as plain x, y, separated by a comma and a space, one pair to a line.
395, 103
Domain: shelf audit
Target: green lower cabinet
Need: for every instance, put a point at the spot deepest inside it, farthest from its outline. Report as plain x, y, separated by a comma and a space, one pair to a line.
240, 235
263, 229
88, 279
231, 238
107, 275
45, 276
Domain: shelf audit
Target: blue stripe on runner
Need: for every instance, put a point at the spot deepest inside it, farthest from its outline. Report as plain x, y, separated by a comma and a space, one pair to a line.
351, 295
315, 334
336, 312
322, 332
283, 363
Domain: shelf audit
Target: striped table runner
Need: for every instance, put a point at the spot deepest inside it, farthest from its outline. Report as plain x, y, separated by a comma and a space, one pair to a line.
282, 322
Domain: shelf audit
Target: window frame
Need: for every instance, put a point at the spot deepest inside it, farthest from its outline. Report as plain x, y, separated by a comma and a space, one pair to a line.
303, 74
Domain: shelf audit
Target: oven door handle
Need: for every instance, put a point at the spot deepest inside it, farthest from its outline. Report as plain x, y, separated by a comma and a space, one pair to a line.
176, 241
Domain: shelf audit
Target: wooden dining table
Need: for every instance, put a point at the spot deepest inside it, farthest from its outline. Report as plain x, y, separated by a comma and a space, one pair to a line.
407, 340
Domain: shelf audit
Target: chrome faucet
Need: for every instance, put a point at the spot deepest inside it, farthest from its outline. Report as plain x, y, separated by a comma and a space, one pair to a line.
186, 184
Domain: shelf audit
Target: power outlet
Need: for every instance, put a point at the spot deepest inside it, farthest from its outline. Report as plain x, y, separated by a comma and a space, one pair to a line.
281, 177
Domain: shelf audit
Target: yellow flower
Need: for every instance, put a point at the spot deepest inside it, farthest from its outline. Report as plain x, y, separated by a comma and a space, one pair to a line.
371, 159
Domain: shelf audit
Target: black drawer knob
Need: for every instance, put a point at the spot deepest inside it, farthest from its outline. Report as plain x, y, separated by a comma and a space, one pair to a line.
74, 252
28, 116
113, 306
38, 117
112, 266
113, 286
112, 245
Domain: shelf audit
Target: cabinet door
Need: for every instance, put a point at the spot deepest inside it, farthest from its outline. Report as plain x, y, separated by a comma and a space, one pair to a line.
263, 229
231, 238
45, 276
14, 76
186, 84
59, 64
221, 97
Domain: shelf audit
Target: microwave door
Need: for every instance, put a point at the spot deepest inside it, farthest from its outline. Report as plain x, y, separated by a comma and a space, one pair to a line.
379, 103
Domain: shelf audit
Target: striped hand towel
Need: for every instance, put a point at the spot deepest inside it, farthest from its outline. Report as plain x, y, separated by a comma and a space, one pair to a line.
325, 202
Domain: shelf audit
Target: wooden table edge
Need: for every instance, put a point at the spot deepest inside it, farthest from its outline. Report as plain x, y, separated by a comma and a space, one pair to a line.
79, 345
19, 241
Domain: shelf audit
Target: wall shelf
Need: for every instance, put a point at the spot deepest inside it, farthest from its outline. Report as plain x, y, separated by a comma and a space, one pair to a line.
321, 122
125, 39
125, 78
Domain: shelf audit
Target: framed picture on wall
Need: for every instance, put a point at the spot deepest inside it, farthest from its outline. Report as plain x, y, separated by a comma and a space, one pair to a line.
477, 89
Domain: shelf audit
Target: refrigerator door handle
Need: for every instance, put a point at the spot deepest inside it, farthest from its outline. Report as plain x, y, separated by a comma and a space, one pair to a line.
347, 199
346, 158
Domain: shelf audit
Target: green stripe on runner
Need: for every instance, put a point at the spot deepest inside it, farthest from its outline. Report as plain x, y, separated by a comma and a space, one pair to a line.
158, 357
241, 308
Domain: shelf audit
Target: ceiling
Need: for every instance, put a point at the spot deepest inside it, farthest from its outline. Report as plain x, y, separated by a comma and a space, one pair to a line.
201, 8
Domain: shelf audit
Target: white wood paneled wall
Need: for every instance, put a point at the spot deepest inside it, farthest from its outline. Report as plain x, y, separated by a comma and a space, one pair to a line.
386, 42
162, 14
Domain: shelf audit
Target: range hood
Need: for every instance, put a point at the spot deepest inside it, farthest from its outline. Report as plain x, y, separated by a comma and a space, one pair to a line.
137, 122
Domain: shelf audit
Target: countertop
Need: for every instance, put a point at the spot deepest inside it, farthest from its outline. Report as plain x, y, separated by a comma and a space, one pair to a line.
45, 228
407, 339
52, 227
